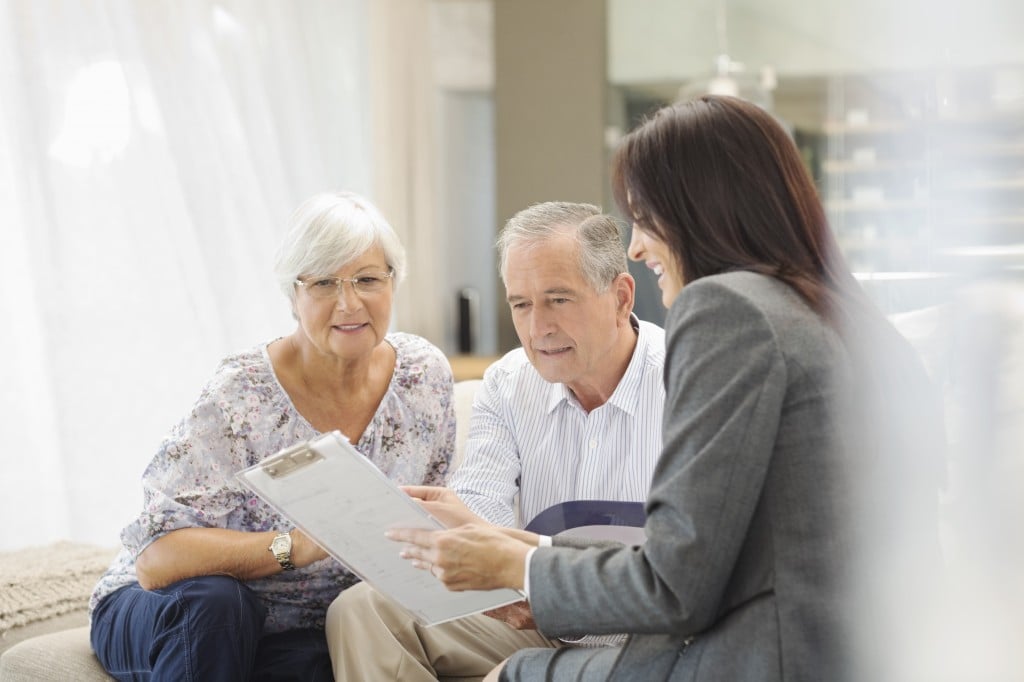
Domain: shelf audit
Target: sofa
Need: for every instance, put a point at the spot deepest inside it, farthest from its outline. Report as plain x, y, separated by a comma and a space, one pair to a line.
44, 633
44, 625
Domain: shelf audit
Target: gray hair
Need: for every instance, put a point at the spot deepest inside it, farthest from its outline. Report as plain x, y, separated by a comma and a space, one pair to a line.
329, 230
602, 255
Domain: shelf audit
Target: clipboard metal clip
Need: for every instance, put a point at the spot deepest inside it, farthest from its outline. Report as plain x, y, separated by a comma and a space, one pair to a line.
290, 460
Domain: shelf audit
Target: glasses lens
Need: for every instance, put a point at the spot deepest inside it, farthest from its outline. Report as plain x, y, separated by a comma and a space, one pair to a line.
323, 287
370, 282
329, 287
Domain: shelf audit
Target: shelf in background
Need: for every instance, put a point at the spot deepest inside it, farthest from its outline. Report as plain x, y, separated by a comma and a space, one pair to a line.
958, 151
921, 171
869, 128
888, 166
1002, 184
854, 205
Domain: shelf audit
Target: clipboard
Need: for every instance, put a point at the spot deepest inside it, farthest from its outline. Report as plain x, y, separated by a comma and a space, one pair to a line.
341, 500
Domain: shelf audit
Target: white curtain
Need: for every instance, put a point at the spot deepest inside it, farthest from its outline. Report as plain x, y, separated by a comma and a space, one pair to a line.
405, 155
150, 154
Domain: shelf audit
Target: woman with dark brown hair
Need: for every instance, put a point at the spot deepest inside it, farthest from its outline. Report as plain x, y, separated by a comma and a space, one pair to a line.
779, 433
722, 185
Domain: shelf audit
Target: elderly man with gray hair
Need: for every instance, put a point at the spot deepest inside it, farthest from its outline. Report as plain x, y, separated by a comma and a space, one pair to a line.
574, 414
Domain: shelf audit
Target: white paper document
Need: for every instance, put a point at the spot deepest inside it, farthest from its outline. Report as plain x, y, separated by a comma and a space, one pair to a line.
345, 503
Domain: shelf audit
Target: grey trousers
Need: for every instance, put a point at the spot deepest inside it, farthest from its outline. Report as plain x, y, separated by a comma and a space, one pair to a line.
567, 664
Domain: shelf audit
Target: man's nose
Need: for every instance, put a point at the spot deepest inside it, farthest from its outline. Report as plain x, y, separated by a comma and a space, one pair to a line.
541, 323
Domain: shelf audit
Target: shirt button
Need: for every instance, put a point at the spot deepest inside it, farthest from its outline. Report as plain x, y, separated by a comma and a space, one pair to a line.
593, 444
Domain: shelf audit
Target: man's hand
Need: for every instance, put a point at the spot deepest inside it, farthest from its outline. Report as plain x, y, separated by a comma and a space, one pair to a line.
518, 615
443, 504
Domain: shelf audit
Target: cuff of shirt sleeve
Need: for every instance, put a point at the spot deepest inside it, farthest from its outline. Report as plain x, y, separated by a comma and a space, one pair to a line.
544, 541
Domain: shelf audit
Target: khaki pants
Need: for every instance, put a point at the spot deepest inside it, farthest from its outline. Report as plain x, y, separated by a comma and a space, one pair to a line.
371, 639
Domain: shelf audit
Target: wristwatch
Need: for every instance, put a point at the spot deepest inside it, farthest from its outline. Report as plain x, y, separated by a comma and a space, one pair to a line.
281, 548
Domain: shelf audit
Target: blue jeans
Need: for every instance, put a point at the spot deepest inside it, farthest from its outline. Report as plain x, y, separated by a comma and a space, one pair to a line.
199, 629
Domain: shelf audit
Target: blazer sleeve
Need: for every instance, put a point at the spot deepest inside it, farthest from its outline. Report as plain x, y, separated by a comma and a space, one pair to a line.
726, 382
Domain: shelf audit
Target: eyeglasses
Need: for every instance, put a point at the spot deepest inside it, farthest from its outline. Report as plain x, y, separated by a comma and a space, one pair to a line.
364, 284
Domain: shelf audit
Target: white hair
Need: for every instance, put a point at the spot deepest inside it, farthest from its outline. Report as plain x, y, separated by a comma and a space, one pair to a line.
601, 254
329, 230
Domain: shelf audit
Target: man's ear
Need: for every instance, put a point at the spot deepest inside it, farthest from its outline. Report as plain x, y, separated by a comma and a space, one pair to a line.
625, 293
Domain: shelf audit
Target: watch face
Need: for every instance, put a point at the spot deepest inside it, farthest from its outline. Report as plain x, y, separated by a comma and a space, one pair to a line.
282, 543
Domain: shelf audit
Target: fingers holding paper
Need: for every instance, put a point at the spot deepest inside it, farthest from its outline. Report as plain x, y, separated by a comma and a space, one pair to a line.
470, 557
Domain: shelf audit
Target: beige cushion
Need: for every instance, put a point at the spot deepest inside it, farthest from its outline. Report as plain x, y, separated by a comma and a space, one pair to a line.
64, 655
464, 393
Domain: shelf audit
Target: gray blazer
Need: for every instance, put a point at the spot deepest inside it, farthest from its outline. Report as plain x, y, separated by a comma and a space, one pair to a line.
743, 576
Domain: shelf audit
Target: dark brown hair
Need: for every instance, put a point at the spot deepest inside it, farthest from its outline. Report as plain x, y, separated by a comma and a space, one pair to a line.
720, 182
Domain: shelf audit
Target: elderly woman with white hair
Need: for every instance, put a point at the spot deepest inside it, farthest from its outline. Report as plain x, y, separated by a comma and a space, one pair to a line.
211, 582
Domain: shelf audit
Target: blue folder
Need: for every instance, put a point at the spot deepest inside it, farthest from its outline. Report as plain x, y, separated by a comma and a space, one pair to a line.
566, 515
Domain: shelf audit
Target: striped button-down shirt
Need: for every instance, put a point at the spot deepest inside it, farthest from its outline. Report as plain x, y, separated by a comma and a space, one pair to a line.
532, 438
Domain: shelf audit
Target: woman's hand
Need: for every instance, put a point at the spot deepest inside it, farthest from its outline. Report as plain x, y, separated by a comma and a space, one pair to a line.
443, 504
470, 557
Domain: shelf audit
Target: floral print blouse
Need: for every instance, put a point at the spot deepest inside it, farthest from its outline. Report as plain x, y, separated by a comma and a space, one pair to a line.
244, 415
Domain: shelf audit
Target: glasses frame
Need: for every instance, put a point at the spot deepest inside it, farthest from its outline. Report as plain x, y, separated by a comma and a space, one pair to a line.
340, 284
